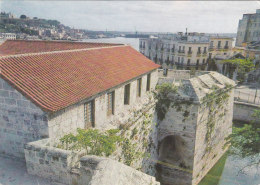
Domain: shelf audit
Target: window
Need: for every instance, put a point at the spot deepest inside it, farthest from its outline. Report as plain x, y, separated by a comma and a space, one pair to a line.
148, 82
188, 62
205, 49
139, 87
226, 43
219, 44
198, 62
203, 61
199, 50
189, 50
89, 114
211, 44
127, 94
110, 103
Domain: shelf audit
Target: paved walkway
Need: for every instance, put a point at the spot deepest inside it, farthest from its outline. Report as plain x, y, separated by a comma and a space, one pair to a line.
13, 172
246, 93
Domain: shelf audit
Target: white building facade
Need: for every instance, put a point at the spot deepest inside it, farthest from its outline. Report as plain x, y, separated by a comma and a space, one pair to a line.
189, 51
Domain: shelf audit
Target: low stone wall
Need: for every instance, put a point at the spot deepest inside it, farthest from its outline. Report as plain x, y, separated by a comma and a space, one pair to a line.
49, 162
243, 111
68, 167
179, 74
97, 170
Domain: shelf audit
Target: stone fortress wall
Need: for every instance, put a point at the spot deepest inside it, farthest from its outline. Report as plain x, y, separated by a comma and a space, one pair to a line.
20, 121
243, 111
187, 148
69, 167
178, 141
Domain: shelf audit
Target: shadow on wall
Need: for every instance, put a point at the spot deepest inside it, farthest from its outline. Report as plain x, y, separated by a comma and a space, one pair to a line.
172, 168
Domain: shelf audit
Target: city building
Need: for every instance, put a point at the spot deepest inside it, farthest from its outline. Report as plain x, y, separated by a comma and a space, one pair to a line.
179, 51
220, 46
248, 29
4, 15
8, 36
185, 51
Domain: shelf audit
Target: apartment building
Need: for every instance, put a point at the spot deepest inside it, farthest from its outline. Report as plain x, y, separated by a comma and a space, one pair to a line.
8, 36
220, 46
248, 29
177, 51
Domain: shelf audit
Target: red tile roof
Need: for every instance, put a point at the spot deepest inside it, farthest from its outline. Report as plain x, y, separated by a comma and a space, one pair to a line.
14, 47
56, 80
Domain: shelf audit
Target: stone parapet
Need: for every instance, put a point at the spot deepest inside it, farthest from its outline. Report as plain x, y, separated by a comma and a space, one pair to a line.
70, 167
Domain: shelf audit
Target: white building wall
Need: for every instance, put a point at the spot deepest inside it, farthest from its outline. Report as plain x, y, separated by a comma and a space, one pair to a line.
71, 118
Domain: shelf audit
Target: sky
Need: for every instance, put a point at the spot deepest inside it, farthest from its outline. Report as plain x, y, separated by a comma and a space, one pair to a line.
146, 16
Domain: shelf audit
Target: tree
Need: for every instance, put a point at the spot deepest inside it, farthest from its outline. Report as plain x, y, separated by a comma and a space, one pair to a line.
245, 140
23, 17
244, 66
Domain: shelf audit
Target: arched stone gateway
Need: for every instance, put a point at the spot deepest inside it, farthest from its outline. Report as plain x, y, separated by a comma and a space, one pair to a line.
172, 162
189, 142
171, 150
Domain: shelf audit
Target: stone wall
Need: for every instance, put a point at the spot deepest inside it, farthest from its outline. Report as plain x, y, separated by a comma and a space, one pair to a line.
191, 134
52, 163
68, 167
207, 153
96, 171
178, 75
243, 111
176, 137
71, 118
141, 131
20, 121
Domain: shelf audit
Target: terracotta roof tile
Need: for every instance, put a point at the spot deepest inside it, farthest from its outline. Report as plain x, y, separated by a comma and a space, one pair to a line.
56, 80
14, 47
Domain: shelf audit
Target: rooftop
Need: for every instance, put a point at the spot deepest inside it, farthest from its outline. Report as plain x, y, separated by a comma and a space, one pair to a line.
15, 47
55, 80
195, 86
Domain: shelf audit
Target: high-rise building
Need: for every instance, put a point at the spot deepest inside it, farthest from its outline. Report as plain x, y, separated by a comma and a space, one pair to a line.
248, 29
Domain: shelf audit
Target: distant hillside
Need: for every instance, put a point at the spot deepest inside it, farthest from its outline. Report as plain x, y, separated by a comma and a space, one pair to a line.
16, 25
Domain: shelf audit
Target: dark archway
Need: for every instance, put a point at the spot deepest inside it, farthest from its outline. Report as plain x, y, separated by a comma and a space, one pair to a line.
171, 150
172, 155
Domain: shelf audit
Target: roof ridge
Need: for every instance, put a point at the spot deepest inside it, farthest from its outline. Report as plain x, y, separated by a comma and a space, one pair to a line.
63, 41
61, 51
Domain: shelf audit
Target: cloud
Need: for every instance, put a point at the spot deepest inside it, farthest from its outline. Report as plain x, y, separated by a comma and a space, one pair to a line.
163, 16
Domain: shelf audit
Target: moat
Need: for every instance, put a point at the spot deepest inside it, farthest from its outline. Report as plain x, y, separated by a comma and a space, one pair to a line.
227, 172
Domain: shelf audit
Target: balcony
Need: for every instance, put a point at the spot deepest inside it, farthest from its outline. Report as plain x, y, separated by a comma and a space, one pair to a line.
189, 53
211, 48
198, 54
181, 52
219, 48
204, 54
226, 47
172, 50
